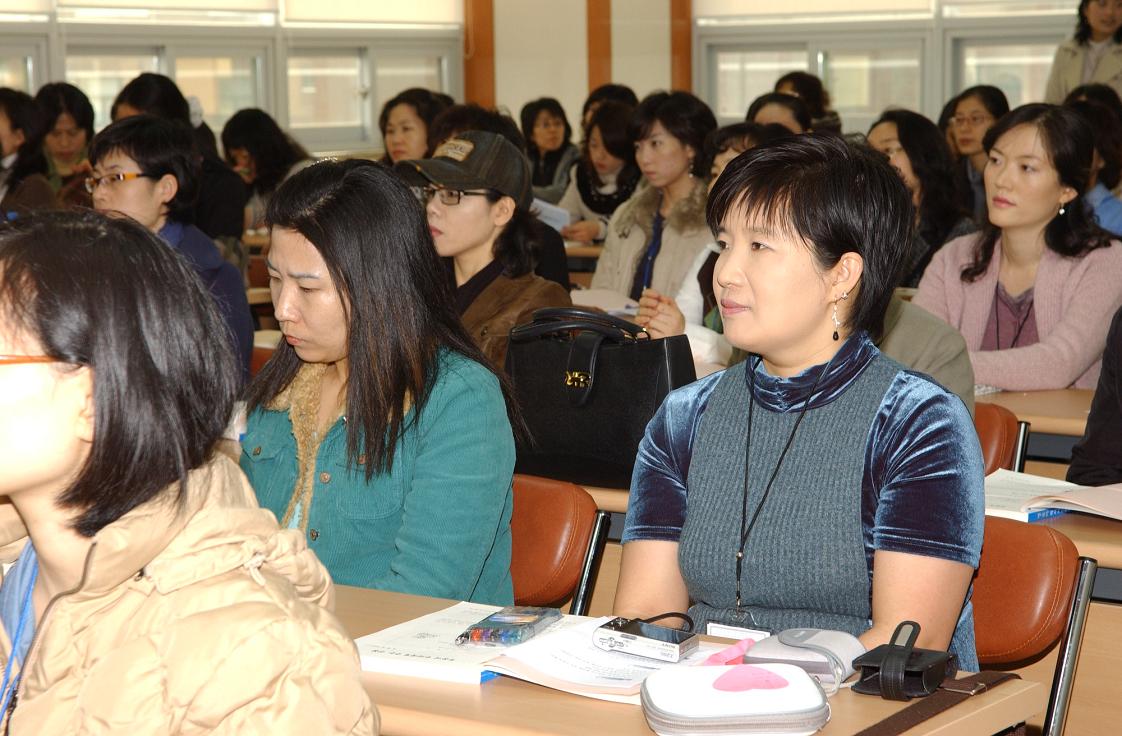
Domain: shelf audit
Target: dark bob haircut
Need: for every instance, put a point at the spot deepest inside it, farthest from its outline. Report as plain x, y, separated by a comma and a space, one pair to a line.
1083, 28
1070, 145
375, 240
683, 115
992, 98
105, 293
458, 118
154, 94
426, 103
740, 137
1108, 138
836, 197
926, 147
620, 93
57, 98
798, 108
809, 89
272, 150
1103, 94
24, 115
614, 121
158, 147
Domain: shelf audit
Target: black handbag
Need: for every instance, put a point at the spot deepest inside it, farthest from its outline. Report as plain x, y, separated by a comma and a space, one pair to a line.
587, 384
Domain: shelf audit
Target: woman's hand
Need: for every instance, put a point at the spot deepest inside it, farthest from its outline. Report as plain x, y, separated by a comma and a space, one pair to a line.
660, 315
584, 231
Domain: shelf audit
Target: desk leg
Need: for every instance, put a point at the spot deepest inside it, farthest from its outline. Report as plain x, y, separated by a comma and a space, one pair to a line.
596, 542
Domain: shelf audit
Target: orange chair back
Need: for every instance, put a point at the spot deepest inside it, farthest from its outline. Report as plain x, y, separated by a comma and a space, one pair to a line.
258, 359
997, 431
550, 527
1023, 590
257, 273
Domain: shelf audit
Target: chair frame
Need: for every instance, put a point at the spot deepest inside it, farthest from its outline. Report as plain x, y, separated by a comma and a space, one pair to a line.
582, 595
1059, 698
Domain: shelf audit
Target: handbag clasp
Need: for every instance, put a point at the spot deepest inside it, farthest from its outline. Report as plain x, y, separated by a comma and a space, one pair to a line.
577, 379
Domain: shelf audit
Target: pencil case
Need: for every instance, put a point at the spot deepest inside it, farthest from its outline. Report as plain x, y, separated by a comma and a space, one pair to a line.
749, 699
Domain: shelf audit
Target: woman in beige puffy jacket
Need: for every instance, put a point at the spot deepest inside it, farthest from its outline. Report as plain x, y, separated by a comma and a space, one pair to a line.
149, 593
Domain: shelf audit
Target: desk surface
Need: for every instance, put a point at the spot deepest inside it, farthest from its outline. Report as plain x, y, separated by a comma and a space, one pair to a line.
1049, 412
503, 706
574, 249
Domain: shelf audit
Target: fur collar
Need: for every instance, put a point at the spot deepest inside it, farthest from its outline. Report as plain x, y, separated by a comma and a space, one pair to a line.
639, 211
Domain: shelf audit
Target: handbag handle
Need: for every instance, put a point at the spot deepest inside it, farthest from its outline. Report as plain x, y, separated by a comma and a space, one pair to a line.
552, 320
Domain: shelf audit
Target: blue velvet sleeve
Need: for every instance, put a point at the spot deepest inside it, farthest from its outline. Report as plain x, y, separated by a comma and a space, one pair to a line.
924, 470
657, 502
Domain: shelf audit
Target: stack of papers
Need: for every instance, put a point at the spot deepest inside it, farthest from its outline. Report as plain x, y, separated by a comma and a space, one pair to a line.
1031, 497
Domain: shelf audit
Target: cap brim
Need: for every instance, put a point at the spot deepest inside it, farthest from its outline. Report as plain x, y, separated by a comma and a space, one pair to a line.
438, 171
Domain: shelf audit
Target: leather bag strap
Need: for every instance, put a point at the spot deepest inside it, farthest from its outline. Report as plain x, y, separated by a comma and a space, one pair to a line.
950, 694
564, 320
580, 372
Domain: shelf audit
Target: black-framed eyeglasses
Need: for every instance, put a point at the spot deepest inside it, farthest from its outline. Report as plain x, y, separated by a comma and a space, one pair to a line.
93, 182
449, 197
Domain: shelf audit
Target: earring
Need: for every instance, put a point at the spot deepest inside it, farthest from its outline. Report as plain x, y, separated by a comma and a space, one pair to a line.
1063, 210
837, 324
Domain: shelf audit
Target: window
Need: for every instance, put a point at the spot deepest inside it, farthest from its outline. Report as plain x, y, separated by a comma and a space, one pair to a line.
327, 95
223, 84
21, 63
864, 82
1019, 69
743, 75
15, 72
101, 73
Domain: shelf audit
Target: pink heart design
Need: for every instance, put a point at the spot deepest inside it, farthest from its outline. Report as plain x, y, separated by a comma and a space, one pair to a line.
749, 677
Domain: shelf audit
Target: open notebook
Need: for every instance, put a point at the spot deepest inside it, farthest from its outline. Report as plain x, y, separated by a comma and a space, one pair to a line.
1031, 497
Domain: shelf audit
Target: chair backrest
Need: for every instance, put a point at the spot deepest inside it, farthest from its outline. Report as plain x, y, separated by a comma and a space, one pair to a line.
1003, 437
550, 528
258, 358
1023, 591
257, 273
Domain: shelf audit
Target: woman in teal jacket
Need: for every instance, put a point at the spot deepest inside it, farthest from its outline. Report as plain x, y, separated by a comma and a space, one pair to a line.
378, 428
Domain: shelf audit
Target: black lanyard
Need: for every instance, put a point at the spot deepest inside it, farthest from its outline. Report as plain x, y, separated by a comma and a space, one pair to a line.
745, 525
997, 319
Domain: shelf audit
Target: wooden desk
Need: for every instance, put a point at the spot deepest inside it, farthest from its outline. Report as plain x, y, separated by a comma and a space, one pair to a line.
582, 250
1062, 412
504, 706
258, 295
255, 240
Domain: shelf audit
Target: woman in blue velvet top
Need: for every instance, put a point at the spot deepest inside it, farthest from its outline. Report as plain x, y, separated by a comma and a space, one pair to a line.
819, 483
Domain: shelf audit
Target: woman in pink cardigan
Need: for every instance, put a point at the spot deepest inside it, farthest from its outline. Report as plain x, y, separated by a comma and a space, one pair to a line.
1034, 292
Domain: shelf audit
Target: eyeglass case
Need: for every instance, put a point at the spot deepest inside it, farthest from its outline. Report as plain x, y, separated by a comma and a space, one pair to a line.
749, 699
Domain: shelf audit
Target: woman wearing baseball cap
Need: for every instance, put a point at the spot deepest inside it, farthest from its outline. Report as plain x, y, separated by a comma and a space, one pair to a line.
477, 198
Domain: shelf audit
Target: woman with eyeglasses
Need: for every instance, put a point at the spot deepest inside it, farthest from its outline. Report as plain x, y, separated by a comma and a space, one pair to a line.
147, 592
1092, 55
1034, 292
378, 428
975, 112
23, 167
477, 200
146, 168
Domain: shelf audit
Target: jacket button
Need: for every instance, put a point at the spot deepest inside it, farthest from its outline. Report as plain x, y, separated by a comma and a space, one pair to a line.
256, 451
325, 477
314, 534
362, 459
483, 331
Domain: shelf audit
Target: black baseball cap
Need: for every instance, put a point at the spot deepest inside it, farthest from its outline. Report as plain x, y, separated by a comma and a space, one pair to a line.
474, 159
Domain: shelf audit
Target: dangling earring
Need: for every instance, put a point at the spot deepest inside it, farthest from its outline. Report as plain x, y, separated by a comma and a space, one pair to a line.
691, 169
1062, 210
837, 324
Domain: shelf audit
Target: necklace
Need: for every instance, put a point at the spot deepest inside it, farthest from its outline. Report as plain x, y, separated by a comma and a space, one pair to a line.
745, 525
997, 319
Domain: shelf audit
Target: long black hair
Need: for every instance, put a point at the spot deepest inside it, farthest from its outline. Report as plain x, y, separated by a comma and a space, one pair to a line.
1070, 144
273, 151
1108, 138
57, 98
940, 206
373, 236
545, 164
104, 293
24, 115
1083, 28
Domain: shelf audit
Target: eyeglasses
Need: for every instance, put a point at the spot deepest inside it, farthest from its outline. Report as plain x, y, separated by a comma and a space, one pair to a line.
23, 359
449, 197
93, 182
961, 121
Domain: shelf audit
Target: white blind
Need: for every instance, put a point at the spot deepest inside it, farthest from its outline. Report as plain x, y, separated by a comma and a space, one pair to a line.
367, 11
25, 6
195, 5
768, 8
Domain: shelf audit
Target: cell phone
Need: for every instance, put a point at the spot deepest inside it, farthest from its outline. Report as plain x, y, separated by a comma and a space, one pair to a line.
634, 636
509, 626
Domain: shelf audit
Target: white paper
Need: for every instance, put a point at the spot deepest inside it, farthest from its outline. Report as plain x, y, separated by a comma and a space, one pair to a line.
609, 300
426, 646
551, 214
735, 632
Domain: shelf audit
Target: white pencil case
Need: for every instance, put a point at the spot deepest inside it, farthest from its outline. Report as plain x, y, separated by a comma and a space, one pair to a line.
749, 699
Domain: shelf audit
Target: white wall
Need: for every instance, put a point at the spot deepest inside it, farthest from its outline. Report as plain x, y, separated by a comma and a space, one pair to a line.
641, 44
541, 50
716, 8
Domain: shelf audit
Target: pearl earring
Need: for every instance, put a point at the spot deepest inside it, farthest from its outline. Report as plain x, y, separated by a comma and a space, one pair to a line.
1062, 210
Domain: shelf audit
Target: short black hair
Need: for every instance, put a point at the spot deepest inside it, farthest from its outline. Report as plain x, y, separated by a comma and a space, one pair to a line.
529, 116
835, 196
799, 109
1108, 137
57, 98
620, 93
273, 151
158, 147
614, 121
426, 103
992, 98
1103, 94
25, 116
459, 118
105, 293
154, 94
809, 89
1070, 144
683, 115
1083, 28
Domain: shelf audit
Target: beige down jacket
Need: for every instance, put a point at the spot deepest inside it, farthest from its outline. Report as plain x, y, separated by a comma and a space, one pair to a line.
684, 235
209, 620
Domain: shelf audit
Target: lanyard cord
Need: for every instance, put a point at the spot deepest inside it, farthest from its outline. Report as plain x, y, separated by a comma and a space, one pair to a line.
997, 320
9, 685
745, 525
